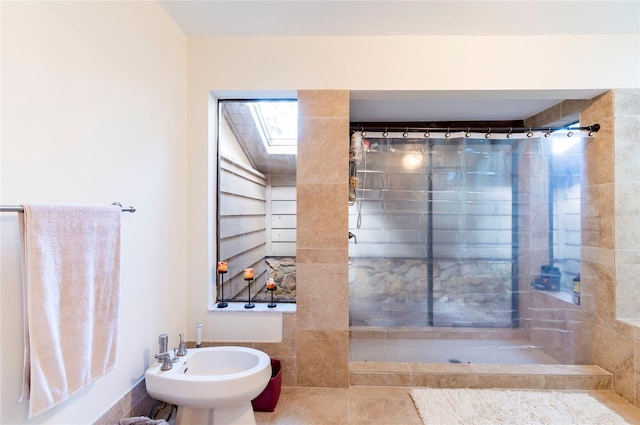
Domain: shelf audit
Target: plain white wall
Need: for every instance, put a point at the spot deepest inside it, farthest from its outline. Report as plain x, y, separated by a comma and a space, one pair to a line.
476, 66
94, 110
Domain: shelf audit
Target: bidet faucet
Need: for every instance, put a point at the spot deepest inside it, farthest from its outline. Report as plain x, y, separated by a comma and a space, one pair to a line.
182, 347
163, 345
163, 356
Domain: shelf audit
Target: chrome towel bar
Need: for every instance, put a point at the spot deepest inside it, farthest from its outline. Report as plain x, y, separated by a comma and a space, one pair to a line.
18, 208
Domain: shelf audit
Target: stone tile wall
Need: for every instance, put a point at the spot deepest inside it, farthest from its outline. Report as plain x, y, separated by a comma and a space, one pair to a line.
605, 329
614, 260
322, 328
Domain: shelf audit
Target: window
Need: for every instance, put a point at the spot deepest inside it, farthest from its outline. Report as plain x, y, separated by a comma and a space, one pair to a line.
277, 123
256, 227
565, 175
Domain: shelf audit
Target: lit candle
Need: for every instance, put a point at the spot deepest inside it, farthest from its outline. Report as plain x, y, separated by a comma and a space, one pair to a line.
248, 274
271, 284
222, 266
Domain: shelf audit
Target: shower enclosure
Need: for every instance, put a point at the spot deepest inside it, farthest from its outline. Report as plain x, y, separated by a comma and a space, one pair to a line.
451, 229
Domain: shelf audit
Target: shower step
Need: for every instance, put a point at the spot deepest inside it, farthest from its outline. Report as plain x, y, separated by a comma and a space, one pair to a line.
443, 375
368, 332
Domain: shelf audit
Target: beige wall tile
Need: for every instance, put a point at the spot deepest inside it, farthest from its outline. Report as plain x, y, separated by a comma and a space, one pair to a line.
627, 207
556, 113
322, 255
322, 216
289, 371
614, 352
434, 380
379, 367
627, 291
627, 128
599, 108
323, 358
600, 153
381, 379
577, 382
627, 102
321, 300
323, 150
627, 257
323, 103
510, 381
636, 367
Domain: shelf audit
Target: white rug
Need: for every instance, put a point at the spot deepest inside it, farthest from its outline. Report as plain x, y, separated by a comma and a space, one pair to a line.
488, 407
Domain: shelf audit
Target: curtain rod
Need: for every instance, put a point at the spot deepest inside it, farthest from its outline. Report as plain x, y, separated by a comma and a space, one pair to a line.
528, 131
19, 208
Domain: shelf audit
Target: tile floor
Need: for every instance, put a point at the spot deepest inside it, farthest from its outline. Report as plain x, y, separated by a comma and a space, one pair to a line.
376, 406
493, 351
392, 405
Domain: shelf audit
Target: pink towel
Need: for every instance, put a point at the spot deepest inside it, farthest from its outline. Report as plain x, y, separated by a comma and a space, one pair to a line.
71, 281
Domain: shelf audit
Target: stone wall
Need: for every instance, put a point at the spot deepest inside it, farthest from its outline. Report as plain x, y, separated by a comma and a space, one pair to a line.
283, 272
393, 292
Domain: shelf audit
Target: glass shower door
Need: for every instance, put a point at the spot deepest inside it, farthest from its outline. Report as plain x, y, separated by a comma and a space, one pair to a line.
472, 234
434, 234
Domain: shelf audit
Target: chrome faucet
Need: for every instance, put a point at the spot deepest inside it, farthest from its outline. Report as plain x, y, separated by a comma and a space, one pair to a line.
182, 347
353, 236
164, 356
163, 345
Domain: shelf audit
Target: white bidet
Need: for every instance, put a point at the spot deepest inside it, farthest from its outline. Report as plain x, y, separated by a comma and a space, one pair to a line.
212, 385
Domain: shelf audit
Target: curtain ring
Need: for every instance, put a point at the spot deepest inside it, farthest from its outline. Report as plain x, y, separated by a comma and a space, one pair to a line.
362, 132
510, 133
406, 133
426, 133
448, 133
548, 133
569, 134
468, 133
386, 133
530, 133
488, 135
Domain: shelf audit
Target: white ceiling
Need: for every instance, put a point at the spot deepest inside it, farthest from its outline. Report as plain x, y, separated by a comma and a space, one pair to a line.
398, 17
368, 17
457, 106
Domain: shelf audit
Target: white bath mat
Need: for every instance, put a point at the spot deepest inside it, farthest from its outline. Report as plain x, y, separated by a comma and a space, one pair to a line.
489, 407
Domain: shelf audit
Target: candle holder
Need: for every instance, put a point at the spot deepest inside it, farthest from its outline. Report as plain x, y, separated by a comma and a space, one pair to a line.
249, 304
271, 286
271, 304
222, 303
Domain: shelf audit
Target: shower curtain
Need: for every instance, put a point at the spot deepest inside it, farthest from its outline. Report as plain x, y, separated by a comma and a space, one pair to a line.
450, 229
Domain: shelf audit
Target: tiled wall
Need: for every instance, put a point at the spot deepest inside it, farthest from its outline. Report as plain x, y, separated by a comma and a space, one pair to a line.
135, 403
552, 322
611, 254
603, 329
322, 328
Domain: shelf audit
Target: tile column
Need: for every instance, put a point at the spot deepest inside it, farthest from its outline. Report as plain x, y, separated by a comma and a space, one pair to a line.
610, 234
322, 331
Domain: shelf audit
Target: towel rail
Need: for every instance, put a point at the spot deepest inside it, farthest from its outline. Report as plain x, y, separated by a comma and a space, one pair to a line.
19, 208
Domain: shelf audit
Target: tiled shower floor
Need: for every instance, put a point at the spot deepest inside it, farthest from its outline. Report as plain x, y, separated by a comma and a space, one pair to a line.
500, 351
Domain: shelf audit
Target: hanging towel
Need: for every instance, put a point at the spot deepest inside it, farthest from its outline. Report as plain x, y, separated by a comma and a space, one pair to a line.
71, 284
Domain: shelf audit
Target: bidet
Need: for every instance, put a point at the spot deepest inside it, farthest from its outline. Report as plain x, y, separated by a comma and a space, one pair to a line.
212, 385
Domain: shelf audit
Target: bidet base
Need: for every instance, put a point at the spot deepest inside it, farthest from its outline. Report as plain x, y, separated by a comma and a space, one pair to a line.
233, 415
